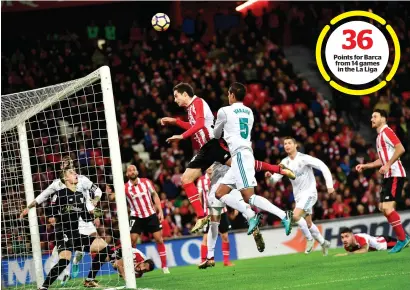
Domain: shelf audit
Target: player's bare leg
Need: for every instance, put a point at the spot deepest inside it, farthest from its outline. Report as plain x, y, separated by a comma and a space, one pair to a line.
161, 251
317, 235
134, 239
225, 249
188, 183
389, 211
298, 217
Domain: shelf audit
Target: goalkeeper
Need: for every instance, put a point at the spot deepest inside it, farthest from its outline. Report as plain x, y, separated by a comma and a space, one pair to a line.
92, 195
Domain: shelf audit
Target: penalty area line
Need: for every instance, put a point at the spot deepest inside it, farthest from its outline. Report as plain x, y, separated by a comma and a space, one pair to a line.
346, 280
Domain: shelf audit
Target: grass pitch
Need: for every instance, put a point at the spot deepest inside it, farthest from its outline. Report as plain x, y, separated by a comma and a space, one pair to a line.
376, 270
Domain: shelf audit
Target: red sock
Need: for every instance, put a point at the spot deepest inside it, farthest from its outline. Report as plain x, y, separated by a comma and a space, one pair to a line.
162, 254
204, 252
193, 196
225, 252
391, 244
395, 222
263, 166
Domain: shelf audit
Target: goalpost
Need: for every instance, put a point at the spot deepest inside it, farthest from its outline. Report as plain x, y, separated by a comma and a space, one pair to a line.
38, 128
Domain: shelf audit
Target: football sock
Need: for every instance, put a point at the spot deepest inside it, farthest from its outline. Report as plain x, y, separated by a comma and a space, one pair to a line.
77, 257
162, 254
266, 205
304, 227
211, 239
55, 272
193, 196
316, 234
239, 204
225, 252
98, 260
204, 251
394, 220
263, 166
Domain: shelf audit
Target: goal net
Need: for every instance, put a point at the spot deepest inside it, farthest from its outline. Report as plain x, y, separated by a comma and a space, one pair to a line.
38, 129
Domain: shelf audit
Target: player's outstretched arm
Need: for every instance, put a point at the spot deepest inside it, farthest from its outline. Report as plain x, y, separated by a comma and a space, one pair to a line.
364, 249
42, 197
173, 121
320, 165
220, 123
374, 164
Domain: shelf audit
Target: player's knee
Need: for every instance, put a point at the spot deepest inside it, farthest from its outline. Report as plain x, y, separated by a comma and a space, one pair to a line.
296, 217
65, 255
185, 179
309, 223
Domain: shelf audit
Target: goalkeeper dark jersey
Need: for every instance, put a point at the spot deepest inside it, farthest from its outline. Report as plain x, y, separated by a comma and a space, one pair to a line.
67, 207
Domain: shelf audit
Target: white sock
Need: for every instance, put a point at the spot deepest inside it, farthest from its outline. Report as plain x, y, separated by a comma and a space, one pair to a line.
304, 227
239, 204
264, 204
316, 234
54, 255
77, 257
212, 237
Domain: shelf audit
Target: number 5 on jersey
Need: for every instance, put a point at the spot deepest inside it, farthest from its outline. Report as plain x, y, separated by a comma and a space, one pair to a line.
244, 127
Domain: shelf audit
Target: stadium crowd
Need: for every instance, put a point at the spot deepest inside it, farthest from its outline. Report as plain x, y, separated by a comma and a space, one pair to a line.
146, 67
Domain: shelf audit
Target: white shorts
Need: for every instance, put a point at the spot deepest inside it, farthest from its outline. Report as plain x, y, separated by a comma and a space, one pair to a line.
241, 175
306, 202
86, 228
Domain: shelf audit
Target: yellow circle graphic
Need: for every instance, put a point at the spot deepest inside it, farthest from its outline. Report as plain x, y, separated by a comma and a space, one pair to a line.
322, 69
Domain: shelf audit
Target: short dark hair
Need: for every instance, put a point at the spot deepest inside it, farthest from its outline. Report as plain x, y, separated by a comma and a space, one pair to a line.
150, 264
345, 230
382, 113
290, 138
239, 91
184, 88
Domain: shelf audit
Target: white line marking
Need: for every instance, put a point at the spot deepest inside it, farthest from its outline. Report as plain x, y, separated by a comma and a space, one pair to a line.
345, 280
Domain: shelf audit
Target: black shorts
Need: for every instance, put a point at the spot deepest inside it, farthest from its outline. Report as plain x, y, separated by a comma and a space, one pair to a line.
391, 242
392, 188
211, 152
67, 240
150, 224
224, 225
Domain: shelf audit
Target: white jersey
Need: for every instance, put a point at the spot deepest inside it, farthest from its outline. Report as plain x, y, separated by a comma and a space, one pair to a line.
84, 185
236, 121
302, 165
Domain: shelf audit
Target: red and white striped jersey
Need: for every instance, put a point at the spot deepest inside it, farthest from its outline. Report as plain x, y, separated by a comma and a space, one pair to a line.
375, 243
199, 109
204, 186
139, 197
385, 142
